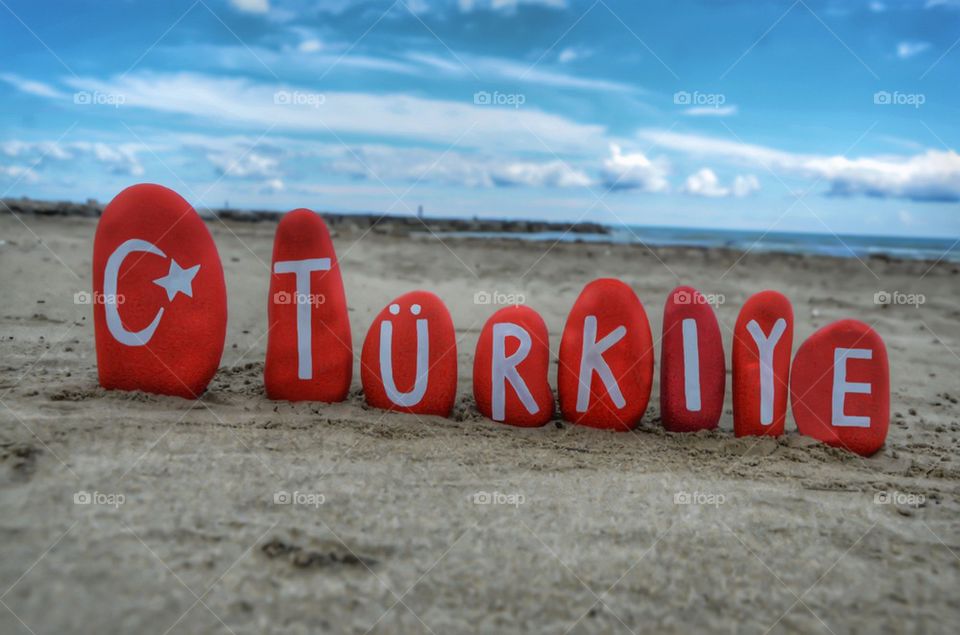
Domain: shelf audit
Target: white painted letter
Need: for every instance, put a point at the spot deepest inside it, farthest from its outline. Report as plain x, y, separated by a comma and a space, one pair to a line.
765, 348
302, 269
591, 360
412, 398
691, 365
841, 387
504, 369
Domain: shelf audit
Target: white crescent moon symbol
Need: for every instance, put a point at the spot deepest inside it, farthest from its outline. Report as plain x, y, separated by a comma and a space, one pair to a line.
114, 323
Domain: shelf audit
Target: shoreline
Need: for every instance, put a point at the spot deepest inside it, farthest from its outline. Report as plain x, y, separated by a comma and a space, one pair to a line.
355, 220
865, 248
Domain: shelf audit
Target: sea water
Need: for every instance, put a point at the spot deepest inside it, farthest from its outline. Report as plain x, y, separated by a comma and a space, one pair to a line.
841, 246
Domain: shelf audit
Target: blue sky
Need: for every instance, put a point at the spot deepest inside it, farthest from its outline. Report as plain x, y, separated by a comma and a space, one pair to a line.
822, 116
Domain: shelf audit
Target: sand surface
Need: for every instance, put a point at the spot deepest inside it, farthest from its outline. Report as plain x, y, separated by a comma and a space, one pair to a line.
586, 534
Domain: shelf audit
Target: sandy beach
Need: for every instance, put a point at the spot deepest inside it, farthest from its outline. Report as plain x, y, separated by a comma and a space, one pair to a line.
401, 523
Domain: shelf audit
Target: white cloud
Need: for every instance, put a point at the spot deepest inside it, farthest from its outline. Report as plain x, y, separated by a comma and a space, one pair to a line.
31, 87
906, 50
251, 6
448, 64
310, 46
699, 145
567, 55
942, 3
551, 174
255, 159
417, 6
711, 111
933, 175
263, 106
35, 150
334, 57
704, 182
517, 73
246, 165
507, 6
634, 171
272, 186
744, 185
119, 159
288, 61
573, 53
19, 172
385, 163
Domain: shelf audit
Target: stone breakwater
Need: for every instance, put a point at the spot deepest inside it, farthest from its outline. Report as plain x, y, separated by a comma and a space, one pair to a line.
380, 223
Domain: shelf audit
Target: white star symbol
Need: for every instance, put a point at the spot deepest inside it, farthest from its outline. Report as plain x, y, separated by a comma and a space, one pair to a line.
178, 280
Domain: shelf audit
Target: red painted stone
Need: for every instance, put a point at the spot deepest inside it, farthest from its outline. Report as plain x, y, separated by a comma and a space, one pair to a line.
693, 371
840, 387
415, 333
760, 390
160, 309
309, 347
510, 368
609, 318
